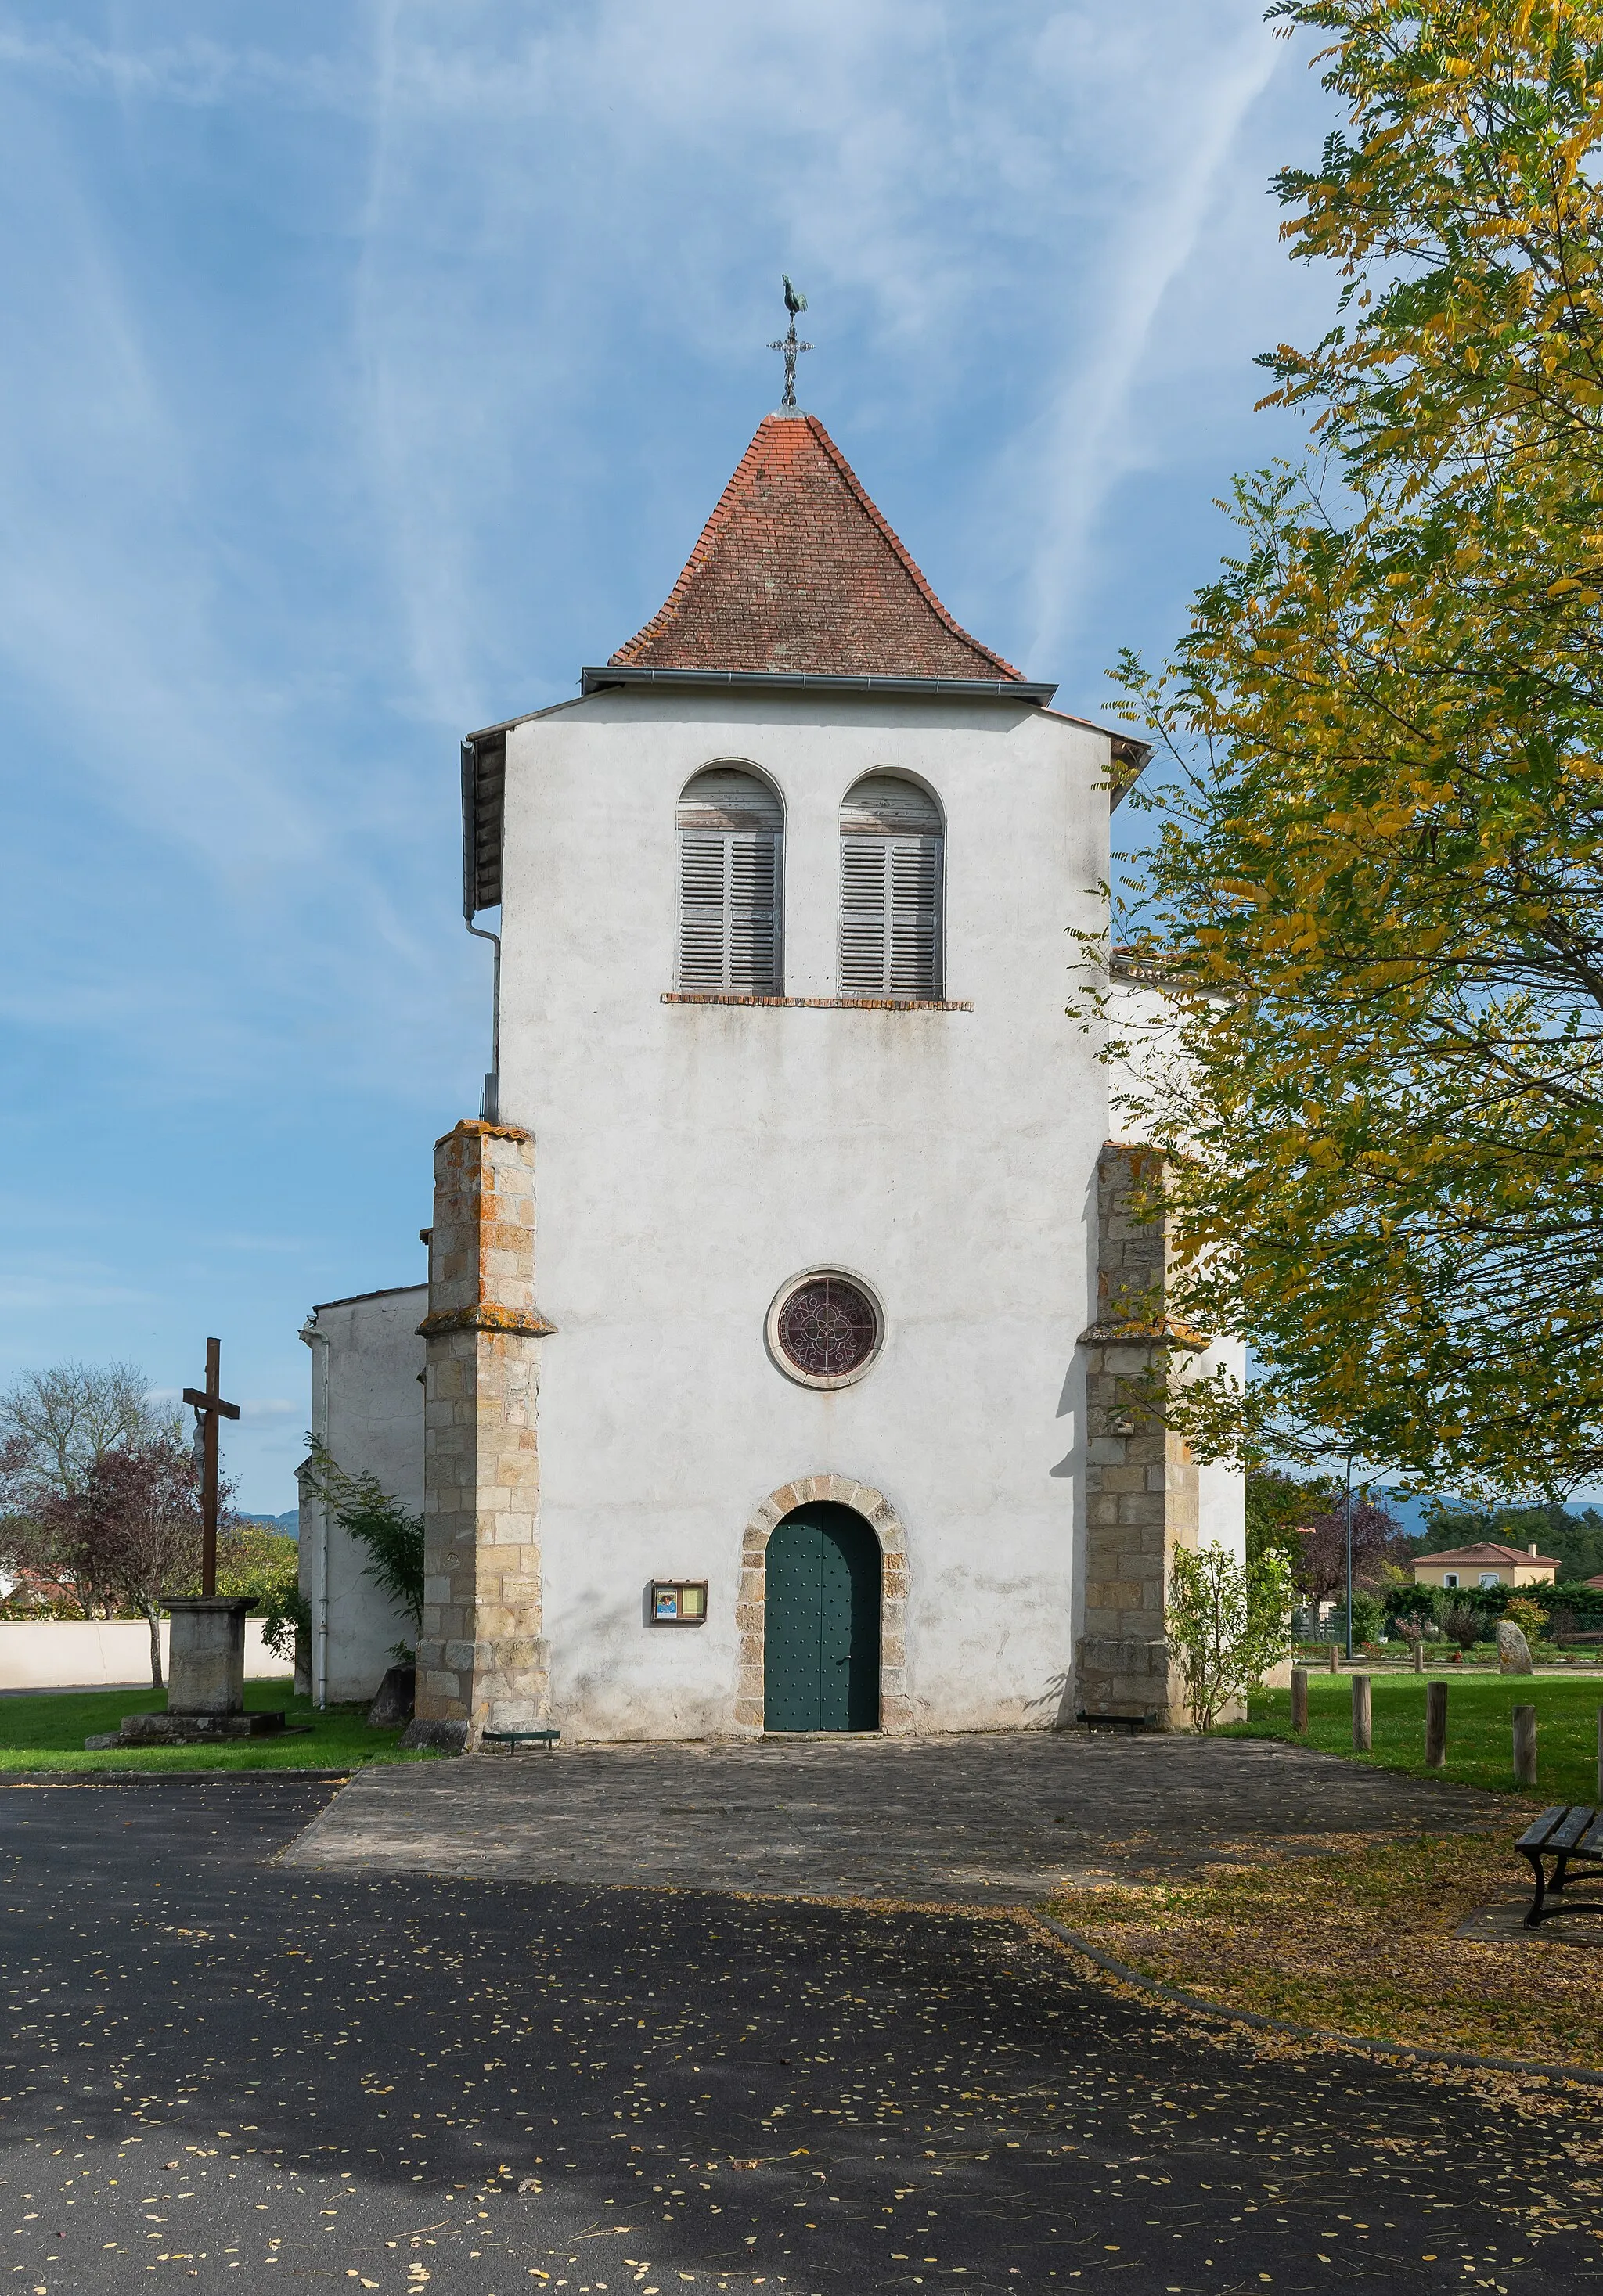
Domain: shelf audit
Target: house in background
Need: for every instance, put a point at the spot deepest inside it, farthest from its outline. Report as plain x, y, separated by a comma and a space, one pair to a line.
1487, 1565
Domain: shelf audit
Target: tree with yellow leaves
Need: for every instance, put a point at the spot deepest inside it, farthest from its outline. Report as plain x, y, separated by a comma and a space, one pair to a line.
1378, 894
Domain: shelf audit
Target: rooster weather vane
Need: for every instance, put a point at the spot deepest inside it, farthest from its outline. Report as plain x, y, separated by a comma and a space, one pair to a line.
791, 348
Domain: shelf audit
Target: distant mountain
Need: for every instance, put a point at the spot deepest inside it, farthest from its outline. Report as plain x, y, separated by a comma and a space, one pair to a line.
1409, 1509
288, 1522
1572, 1535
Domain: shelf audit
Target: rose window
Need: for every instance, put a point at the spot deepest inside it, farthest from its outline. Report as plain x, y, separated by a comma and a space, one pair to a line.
827, 1327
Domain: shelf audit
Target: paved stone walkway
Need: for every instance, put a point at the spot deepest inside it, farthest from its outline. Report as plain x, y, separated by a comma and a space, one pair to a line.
990, 1820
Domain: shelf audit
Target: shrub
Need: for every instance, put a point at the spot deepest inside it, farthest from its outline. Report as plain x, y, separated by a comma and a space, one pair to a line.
393, 1538
1462, 1625
1230, 1622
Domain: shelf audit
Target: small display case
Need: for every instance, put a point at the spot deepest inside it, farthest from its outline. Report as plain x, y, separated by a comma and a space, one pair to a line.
679, 1603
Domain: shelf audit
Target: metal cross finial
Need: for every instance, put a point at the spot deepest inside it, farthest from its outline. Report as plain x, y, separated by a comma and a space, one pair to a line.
787, 343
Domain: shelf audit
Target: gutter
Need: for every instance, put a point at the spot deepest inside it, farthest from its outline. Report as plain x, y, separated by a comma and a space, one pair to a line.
602, 677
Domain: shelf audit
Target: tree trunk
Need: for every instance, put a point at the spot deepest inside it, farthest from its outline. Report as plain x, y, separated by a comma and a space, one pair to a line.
153, 1619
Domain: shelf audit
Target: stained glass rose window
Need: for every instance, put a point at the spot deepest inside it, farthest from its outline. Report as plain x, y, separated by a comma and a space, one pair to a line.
827, 1327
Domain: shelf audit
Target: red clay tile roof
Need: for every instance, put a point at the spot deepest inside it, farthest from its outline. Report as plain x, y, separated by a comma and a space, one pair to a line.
1490, 1551
797, 570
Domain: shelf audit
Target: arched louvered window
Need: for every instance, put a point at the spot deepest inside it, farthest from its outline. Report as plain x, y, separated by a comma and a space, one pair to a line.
891, 872
731, 834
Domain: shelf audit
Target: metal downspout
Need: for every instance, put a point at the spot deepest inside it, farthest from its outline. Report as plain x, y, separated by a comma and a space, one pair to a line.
319, 1343
490, 1099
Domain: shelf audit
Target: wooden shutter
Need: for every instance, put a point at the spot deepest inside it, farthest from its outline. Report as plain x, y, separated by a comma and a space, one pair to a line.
863, 935
913, 904
891, 855
730, 848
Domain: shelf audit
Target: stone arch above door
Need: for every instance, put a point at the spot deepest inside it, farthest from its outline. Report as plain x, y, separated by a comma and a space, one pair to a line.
895, 1709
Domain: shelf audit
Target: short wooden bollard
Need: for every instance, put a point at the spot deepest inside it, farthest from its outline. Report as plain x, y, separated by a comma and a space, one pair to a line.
1362, 1722
1436, 1725
1335, 1656
1418, 1657
1601, 1754
1525, 1745
1299, 1700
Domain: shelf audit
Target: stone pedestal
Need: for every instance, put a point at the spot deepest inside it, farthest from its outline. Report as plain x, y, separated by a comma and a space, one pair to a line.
1141, 1486
205, 1678
481, 1660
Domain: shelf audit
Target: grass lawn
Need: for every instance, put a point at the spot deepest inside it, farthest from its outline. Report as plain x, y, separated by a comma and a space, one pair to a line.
1480, 1744
46, 1732
1358, 1939
1356, 1935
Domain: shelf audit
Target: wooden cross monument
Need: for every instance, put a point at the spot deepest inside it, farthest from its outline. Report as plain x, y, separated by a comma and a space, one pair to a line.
211, 1407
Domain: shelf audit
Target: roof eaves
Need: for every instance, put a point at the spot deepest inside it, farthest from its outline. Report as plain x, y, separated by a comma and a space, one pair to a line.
360, 1298
598, 678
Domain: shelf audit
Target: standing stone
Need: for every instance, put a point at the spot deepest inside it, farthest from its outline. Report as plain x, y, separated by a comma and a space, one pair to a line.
1513, 1651
480, 1658
393, 1702
1141, 1484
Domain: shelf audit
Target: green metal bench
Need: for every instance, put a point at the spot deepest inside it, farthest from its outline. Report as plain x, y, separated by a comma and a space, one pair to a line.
1567, 1835
515, 1738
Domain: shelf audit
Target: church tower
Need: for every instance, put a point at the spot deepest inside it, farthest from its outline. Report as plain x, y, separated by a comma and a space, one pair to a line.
755, 1392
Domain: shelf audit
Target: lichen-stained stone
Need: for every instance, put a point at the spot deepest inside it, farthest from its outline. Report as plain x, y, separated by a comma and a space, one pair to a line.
1141, 1482
480, 1457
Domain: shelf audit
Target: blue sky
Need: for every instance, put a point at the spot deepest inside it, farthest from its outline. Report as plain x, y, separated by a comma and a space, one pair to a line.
369, 370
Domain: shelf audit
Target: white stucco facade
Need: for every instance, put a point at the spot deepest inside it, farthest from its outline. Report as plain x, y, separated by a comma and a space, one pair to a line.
692, 1157
368, 1413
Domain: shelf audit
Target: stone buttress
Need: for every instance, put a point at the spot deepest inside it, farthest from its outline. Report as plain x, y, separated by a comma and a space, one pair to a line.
481, 1660
1141, 1481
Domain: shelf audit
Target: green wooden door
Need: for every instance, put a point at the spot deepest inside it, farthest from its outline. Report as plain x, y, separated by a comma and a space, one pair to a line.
821, 1640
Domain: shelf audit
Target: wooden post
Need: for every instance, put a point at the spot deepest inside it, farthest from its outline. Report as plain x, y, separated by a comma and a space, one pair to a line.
1601, 1754
1335, 1656
1299, 1700
1525, 1745
1436, 1725
1420, 1657
1363, 1718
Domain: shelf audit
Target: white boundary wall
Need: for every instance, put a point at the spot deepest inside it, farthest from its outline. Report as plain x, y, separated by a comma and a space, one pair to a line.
82, 1653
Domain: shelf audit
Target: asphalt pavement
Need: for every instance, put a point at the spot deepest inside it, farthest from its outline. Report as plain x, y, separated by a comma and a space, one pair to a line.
219, 2064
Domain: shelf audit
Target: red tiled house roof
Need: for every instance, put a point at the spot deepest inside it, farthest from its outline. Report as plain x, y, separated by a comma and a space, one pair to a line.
796, 571
1490, 1552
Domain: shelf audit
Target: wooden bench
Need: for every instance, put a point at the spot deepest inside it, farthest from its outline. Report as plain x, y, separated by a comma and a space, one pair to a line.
515, 1738
1566, 1835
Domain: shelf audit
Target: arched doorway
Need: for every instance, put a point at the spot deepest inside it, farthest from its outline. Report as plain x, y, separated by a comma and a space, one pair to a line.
821, 1645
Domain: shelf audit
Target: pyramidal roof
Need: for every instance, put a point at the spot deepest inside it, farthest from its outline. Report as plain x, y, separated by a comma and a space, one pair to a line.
796, 571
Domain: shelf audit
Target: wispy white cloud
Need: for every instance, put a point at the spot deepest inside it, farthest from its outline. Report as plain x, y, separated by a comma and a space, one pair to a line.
1086, 442
68, 1288
192, 71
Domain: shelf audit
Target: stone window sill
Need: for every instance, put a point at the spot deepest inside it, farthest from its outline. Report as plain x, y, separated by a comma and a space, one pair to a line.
819, 1004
